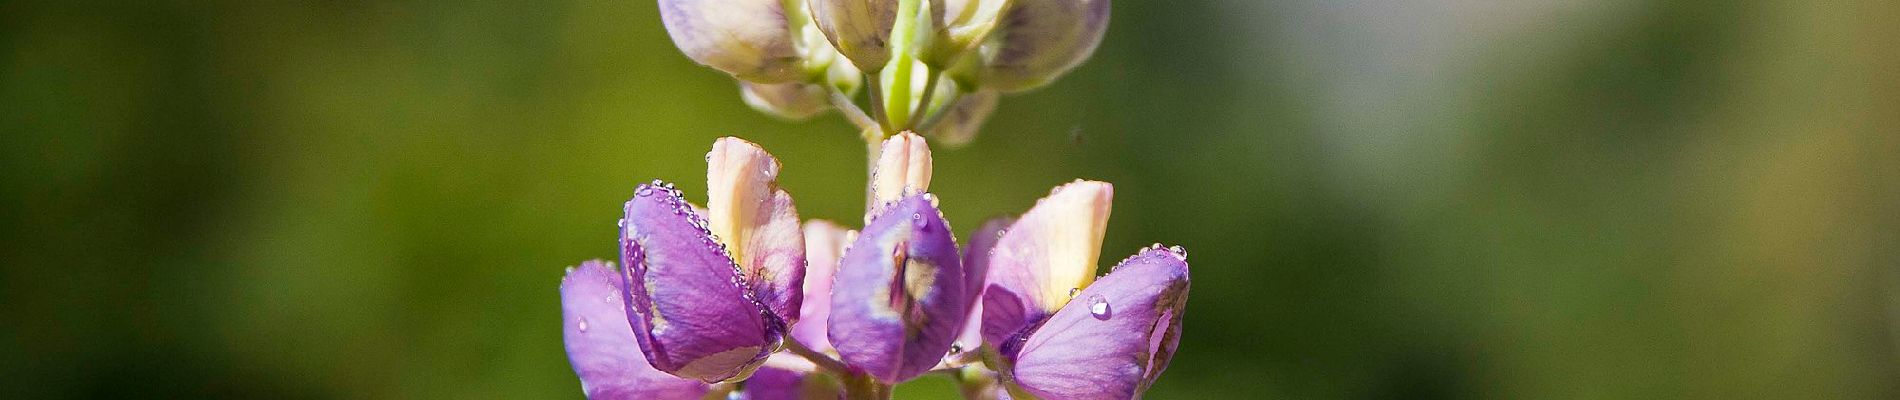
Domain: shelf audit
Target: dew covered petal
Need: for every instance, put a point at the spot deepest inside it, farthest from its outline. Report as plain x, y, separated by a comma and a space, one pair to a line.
976, 261
686, 304
903, 168
1114, 340
897, 299
758, 223
1044, 256
600, 343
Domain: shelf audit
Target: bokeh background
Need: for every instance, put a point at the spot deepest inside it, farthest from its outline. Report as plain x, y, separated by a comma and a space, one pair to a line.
1383, 199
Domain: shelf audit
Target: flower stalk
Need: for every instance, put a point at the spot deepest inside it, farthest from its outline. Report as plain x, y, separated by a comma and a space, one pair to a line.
742, 299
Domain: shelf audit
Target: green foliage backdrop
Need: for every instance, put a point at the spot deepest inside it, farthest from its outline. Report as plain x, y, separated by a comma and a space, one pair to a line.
1436, 199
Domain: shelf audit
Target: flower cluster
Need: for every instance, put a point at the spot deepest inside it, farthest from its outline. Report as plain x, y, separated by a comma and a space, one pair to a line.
936, 67
742, 299
709, 297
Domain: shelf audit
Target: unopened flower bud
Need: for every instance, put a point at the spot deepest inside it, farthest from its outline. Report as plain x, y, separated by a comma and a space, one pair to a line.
792, 101
1038, 41
962, 26
964, 117
903, 169
860, 29
749, 39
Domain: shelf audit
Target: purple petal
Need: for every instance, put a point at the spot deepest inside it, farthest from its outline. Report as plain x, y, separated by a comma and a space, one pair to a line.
756, 220
824, 244
1044, 257
685, 304
600, 343
1113, 340
976, 265
897, 300
782, 384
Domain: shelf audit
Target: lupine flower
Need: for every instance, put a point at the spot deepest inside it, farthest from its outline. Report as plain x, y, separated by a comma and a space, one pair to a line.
976, 261
709, 298
1060, 333
898, 298
1038, 41
601, 345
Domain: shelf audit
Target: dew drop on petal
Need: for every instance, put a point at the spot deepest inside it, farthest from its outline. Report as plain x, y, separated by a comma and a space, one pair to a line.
735, 394
582, 325
918, 220
644, 191
956, 348
1074, 291
1178, 251
1098, 307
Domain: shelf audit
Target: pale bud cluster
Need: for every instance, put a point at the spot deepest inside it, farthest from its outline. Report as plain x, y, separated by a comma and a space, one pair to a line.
932, 66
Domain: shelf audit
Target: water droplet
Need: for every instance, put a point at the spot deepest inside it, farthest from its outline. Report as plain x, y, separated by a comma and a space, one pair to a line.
735, 395
1098, 307
918, 220
1000, 232
1178, 251
956, 348
1074, 291
621, 223
582, 325
644, 191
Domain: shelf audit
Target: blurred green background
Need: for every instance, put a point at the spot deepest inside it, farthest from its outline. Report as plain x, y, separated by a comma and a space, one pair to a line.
1383, 199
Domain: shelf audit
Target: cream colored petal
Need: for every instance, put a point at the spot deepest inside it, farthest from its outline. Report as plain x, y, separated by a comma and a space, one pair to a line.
903, 168
1053, 249
757, 222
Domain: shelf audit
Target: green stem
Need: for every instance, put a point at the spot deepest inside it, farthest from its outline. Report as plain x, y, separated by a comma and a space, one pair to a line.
851, 111
822, 360
903, 34
923, 102
874, 82
864, 387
